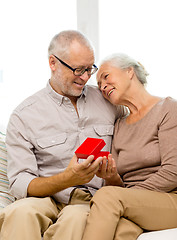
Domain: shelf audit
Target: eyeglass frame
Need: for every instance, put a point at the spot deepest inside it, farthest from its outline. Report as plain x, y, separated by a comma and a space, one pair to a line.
74, 69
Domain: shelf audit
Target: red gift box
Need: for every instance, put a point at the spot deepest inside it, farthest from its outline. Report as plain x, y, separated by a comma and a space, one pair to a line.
91, 146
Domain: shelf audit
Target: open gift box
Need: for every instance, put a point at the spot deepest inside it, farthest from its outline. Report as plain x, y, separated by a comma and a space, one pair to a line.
91, 146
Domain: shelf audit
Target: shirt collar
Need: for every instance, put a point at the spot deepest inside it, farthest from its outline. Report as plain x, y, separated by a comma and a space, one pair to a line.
58, 97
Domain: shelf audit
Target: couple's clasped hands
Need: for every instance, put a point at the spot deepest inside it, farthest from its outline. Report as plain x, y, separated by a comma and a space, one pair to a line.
102, 167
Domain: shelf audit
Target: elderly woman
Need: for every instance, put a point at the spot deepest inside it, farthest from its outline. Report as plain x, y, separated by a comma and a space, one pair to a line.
145, 151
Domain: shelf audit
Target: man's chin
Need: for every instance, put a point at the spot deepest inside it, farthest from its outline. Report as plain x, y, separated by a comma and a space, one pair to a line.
74, 94
77, 93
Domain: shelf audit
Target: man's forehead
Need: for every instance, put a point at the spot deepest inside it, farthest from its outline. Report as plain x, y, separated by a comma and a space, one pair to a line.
81, 56
76, 47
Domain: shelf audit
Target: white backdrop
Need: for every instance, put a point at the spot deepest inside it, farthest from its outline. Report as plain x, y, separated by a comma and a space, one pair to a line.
145, 30
26, 30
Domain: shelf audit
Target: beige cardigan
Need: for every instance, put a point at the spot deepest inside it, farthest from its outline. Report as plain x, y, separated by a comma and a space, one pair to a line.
146, 151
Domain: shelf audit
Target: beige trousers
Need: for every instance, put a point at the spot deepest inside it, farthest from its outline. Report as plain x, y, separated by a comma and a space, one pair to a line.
122, 214
31, 218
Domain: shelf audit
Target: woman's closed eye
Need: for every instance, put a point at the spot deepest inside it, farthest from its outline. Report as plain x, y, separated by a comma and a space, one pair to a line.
106, 76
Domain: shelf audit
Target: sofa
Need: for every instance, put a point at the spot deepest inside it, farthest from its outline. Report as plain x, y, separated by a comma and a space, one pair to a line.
6, 198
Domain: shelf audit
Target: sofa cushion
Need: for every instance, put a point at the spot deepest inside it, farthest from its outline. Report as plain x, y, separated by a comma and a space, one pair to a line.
5, 197
168, 234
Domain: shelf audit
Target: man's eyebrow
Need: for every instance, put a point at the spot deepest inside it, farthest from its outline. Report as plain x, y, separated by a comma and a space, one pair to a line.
82, 66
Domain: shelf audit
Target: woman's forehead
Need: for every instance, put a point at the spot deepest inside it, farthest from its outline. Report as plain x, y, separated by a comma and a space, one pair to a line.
105, 67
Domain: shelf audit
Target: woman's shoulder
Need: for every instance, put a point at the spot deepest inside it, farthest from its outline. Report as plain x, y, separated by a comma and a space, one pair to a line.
165, 108
169, 103
167, 111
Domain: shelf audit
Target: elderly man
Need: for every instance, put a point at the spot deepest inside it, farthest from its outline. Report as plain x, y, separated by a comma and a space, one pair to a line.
52, 187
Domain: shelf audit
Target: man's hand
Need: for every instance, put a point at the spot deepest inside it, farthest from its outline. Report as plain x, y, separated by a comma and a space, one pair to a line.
75, 174
81, 173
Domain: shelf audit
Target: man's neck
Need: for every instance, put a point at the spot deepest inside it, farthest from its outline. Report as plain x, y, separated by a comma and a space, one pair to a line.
74, 102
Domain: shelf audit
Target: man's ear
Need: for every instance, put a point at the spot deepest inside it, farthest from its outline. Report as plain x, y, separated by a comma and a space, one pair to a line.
131, 72
52, 63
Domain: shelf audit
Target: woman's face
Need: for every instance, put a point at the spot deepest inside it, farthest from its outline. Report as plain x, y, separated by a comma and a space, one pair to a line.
114, 82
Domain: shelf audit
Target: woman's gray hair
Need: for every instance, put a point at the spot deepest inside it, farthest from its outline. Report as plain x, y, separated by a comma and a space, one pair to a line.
123, 61
60, 43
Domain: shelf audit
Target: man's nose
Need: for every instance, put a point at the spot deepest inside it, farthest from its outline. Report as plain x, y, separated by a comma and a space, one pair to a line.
85, 76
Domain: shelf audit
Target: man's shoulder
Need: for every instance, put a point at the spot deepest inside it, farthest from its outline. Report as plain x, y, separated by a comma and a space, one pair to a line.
91, 88
29, 101
93, 92
95, 95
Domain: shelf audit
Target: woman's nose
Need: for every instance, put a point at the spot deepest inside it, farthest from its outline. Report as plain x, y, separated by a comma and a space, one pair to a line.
103, 87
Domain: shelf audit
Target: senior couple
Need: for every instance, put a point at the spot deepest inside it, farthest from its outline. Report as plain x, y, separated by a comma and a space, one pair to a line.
60, 197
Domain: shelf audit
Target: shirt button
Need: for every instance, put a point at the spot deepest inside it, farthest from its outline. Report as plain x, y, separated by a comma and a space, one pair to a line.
72, 110
53, 141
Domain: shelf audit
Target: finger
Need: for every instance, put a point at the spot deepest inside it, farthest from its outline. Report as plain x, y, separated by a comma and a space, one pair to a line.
114, 166
86, 163
113, 163
110, 158
74, 160
104, 165
98, 161
110, 164
94, 167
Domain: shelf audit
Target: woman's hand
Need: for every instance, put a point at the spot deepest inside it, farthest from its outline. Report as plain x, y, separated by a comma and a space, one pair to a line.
108, 171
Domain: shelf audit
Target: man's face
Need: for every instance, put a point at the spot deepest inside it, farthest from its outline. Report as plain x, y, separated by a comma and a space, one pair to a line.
63, 80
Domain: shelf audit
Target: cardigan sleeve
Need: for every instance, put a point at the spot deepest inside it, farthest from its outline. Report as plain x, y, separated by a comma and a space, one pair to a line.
165, 179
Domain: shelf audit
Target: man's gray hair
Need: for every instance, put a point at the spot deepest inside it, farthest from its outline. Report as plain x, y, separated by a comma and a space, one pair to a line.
61, 42
123, 61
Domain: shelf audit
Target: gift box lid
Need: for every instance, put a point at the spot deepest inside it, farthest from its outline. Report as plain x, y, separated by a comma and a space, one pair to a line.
91, 146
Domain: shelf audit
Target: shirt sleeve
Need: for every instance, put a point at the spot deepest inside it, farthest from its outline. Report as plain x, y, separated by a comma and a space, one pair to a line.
165, 179
22, 166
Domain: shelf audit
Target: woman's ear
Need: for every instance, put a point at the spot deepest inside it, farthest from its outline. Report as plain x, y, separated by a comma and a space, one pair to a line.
131, 72
52, 63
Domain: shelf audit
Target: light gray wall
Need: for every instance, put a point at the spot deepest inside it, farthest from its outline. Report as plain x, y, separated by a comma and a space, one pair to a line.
87, 22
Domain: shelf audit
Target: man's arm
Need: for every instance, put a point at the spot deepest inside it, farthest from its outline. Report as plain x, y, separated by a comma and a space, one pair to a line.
75, 174
23, 171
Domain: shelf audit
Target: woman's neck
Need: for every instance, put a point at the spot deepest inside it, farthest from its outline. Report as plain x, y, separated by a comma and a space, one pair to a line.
140, 104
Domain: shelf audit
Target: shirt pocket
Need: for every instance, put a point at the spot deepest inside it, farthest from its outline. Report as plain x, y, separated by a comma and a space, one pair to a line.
104, 130
51, 141
51, 150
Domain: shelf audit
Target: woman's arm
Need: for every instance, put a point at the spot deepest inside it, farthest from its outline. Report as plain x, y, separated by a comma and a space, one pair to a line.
165, 179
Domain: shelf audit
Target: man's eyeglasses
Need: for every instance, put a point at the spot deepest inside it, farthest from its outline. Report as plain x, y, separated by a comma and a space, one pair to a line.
79, 71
